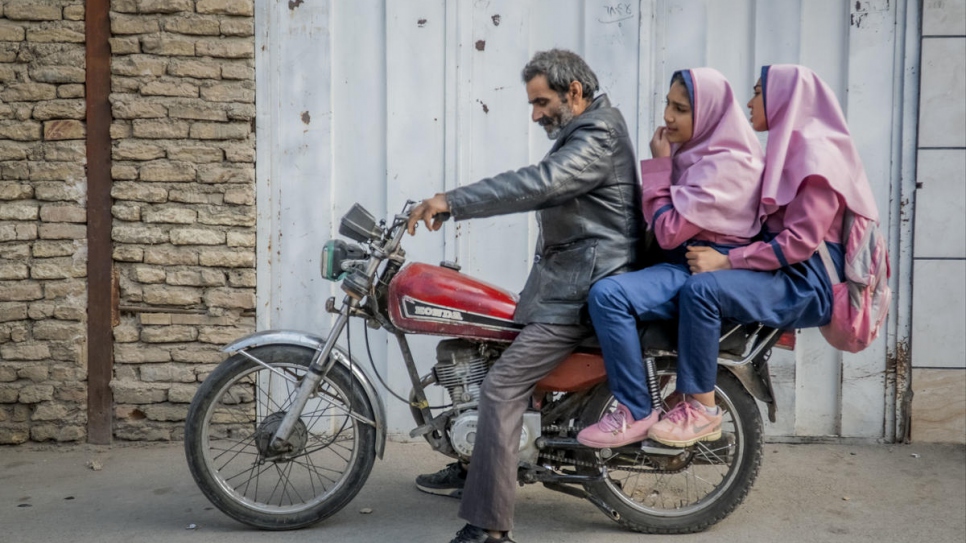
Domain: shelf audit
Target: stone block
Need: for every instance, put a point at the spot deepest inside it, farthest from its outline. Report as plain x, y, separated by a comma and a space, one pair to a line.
143, 234
122, 253
196, 236
19, 211
124, 212
14, 435
155, 319
64, 130
63, 213
20, 131
227, 258
10, 32
160, 129
126, 85
231, 216
196, 154
229, 92
74, 190
13, 270
136, 150
168, 45
60, 109
46, 248
241, 278
199, 69
139, 192
168, 295
125, 46
218, 174
149, 274
133, 353
57, 74
196, 197
58, 268
14, 251
165, 6
133, 24
58, 331
36, 394
28, 10
166, 412
56, 171
121, 130
166, 171
241, 239
55, 35
184, 278
137, 393
182, 393
63, 231
230, 298
139, 66
66, 151
198, 353
126, 333
168, 334
19, 191
238, 27
194, 26
20, 291
28, 92
138, 109
180, 89
70, 91
226, 7
50, 411
220, 335
225, 48
71, 393
57, 432
74, 13
220, 131
200, 113
170, 215
238, 71
171, 256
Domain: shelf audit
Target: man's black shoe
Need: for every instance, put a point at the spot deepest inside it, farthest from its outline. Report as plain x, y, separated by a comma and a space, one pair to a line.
473, 534
448, 481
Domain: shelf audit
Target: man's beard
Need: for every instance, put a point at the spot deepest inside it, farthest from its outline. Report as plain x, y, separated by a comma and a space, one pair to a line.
561, 118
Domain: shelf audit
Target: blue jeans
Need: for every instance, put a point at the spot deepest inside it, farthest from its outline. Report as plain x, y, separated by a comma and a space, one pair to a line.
796, 296
616, 305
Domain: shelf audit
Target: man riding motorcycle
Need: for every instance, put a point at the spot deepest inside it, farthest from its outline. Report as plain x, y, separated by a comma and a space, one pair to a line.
587, 198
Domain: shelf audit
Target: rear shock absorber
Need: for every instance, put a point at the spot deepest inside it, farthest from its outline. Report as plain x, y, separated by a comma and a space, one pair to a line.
651, 372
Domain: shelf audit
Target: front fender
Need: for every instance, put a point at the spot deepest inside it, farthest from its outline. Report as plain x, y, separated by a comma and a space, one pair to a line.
313, 341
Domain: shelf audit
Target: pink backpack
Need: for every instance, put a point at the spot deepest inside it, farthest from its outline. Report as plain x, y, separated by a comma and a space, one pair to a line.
860, 303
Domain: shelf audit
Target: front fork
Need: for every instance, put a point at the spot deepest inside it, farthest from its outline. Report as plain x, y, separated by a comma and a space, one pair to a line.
280, 440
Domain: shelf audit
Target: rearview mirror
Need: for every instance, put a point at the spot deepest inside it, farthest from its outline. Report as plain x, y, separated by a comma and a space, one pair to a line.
359, 225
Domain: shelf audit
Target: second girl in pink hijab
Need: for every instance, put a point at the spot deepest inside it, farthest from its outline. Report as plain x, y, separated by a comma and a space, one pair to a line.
812, 175
701, 188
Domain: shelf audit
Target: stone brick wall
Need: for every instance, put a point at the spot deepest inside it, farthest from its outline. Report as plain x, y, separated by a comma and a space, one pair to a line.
43, 248
183, 101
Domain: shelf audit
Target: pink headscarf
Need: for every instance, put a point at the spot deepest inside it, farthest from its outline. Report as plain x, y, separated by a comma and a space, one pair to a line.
716, 180
808, 135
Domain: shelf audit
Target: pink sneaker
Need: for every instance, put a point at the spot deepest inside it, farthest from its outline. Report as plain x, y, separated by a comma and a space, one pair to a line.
617, 429
686, 425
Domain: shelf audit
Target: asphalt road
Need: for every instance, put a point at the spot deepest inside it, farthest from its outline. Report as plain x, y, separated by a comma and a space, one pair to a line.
807, 493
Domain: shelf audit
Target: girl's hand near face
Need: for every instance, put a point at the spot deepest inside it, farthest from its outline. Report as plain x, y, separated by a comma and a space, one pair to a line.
660, 146
706, 259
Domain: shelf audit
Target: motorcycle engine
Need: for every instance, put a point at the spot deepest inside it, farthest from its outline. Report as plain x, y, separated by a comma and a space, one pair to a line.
460, 368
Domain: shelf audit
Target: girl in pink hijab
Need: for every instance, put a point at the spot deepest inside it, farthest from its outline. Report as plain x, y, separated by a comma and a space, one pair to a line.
702, 188
812, 174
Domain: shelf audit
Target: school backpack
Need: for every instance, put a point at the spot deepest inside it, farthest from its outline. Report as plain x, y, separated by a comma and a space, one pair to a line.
860, 302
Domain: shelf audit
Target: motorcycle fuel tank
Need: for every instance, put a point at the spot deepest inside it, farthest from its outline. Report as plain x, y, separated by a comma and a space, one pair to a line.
426, 299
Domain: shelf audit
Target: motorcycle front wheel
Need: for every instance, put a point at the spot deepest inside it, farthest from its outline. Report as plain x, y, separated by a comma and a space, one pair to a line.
691, 491
233, 417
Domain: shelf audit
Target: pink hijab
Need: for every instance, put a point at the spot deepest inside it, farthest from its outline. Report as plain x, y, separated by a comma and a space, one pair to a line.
808, 135
716, 180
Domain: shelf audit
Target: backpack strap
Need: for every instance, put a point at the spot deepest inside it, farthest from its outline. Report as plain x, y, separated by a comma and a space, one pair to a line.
833, 274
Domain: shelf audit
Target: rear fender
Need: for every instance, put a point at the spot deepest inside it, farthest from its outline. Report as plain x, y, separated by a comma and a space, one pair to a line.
313, 341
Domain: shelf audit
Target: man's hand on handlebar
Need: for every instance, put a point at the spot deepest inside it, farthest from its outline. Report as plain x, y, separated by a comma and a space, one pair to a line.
434, 209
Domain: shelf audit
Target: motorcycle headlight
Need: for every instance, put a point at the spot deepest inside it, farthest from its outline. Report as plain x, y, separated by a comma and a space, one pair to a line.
335, 253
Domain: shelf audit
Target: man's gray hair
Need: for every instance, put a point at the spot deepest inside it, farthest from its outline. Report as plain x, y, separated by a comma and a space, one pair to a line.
561, 67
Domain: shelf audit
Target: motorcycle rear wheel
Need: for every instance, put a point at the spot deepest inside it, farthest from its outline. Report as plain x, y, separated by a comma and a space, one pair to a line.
231, 421
691, 492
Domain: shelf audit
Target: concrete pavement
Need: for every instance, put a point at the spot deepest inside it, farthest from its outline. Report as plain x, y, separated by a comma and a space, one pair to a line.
814, 493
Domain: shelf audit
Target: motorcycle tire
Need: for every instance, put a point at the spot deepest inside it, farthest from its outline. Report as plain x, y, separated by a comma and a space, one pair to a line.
690, 492
233, 416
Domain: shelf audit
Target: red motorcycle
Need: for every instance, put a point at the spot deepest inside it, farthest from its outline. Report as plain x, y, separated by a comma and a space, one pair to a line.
284, 433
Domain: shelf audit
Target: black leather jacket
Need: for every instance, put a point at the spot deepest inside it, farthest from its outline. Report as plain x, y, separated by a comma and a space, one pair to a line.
588, 201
